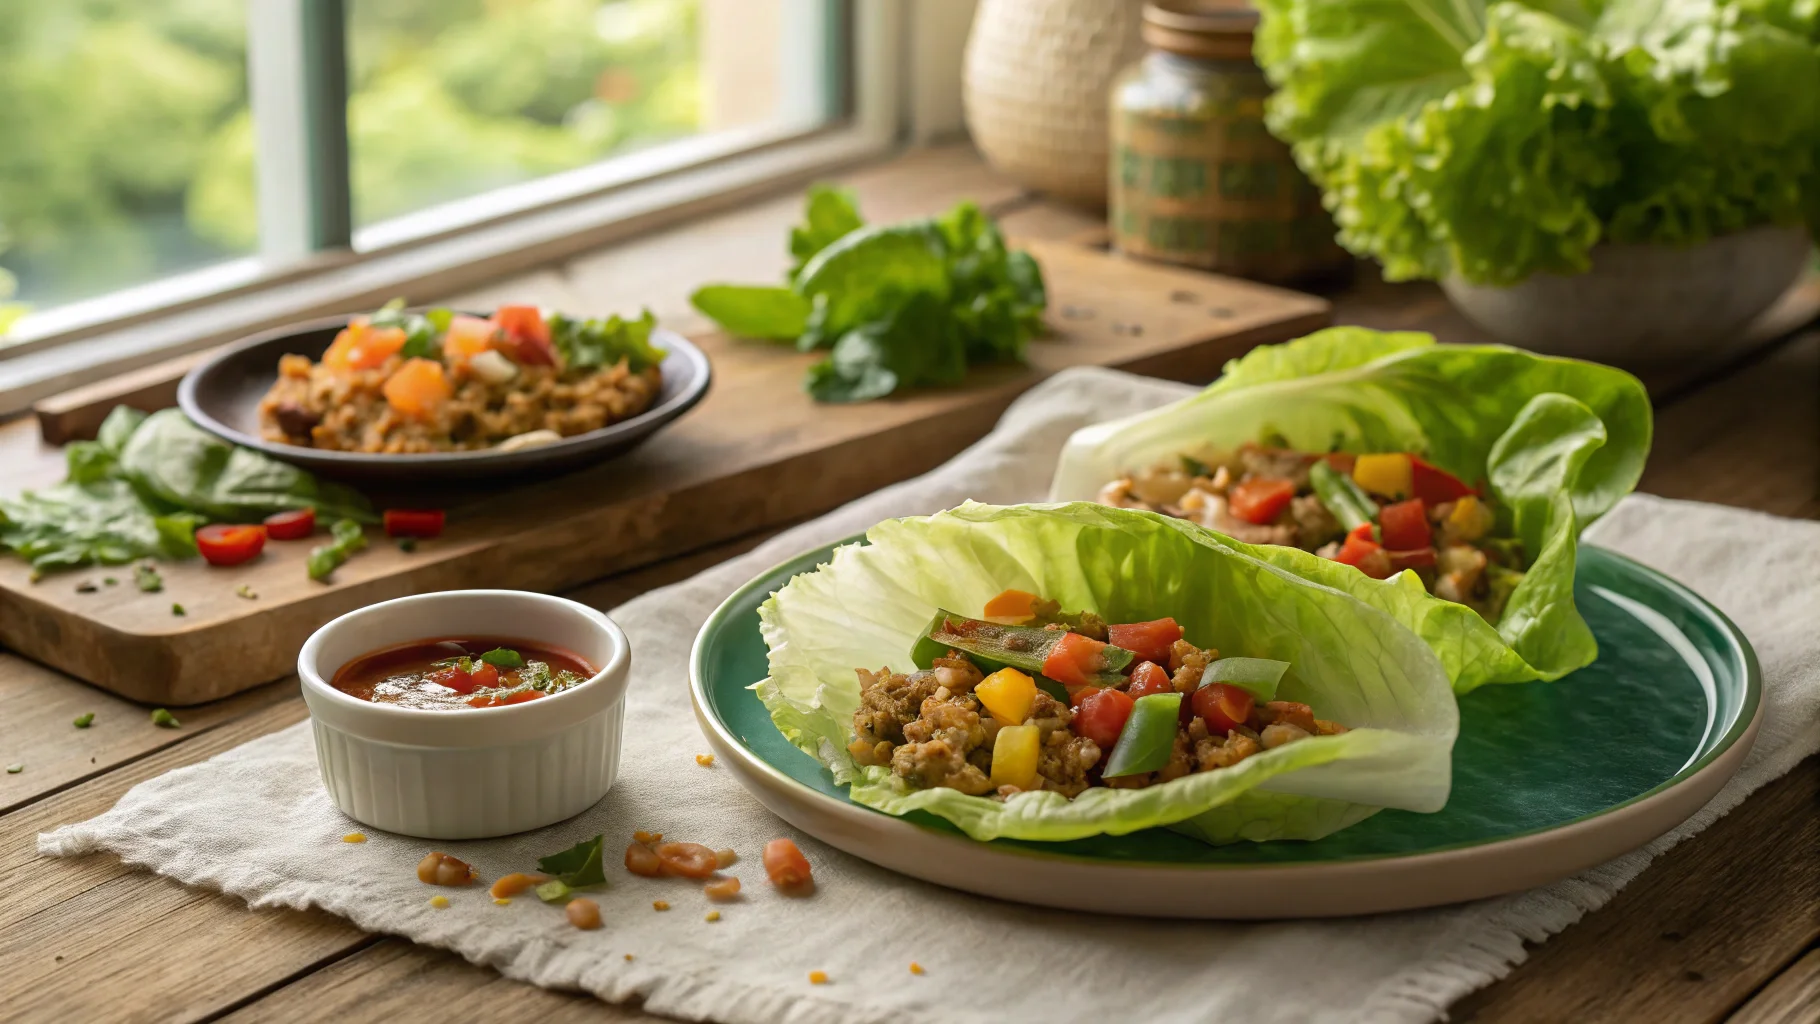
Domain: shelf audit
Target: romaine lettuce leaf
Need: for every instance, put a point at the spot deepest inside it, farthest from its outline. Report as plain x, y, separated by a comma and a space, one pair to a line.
1559, 440
867, 607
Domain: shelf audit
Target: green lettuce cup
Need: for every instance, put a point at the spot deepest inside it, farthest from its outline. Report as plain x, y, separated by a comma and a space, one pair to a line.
869, 605
1556, 442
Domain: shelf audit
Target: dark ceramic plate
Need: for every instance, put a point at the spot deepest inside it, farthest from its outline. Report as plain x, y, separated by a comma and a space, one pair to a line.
222, 395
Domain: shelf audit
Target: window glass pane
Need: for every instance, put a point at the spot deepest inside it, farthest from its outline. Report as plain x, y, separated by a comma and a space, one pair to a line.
452, 98
124, 142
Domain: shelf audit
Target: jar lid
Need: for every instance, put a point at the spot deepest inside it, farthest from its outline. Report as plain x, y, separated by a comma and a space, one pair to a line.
1214, 29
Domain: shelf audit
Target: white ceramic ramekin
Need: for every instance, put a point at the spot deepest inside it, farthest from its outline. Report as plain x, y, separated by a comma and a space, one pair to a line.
473, 772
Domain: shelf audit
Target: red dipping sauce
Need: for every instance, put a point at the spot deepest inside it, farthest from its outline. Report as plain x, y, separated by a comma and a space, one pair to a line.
455, 673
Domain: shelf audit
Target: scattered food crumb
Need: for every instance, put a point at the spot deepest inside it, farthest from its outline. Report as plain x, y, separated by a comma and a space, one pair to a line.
818, 977
1132, 329
86, 587
1220, 313
245, 591
705, 760
59, 956
1180, 295
628, 958
407, 544
583, 914
503, 901
14, 769
91, 760
442, 869
647, 838
110, 581
723, 889
84, 720
164, 719
516, 882
915, 968
1077, 313
439, 902
354, 837
146, 578
725, 858
787, 867
713, 915
659, 905
177, 609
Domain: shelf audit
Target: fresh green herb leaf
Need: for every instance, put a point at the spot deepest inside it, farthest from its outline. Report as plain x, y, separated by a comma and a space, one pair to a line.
176, 464
84, 720
1195, 467
110, 581
346, 538
164, 719
578, 867
440, 317
754, 311
245, 591
69, 524
829, 214
407, 544
146, 578
597, 344
177, 609
503, 657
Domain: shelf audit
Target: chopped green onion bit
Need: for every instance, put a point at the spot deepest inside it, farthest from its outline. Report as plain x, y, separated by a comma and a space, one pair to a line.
161, 717
84, 720
177, 609
14, 769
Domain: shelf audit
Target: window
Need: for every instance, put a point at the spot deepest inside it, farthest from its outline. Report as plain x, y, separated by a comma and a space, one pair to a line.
144, 142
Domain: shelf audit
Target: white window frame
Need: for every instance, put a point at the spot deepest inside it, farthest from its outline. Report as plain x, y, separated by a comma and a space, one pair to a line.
471, 242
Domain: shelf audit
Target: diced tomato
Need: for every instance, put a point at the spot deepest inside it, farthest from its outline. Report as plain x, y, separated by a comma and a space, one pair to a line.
1012, 607
468, 336
1101, 717
785, 865
418, 388
1074, 660
409, 522
1365, 554
1076, 694
1435, 485
526, 335
1404, 525
520, 697
1148, 640
1341, 461
230, 544
1148, 678
484, 676
1414, 559
360, 347
1222, 706
1262, 500
455, 679
293, 525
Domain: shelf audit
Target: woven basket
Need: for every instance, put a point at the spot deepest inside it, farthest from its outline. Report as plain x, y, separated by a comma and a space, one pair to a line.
1035, 89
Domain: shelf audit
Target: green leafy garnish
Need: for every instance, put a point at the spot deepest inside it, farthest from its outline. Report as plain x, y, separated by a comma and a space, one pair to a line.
896, 306
597, 344
164, 719
578, 867
503, 657
346, 537
177, 609
146, 578
245, 591
407, 544
84, 720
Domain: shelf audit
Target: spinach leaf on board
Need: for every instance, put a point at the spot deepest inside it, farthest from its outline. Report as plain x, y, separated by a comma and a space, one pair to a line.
99, 522
174, 462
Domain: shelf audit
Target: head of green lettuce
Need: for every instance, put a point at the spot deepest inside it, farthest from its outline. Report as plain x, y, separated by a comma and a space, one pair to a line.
1558, 441
868, 606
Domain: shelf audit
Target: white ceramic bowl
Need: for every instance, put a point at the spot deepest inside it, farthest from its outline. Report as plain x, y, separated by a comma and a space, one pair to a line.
473, 772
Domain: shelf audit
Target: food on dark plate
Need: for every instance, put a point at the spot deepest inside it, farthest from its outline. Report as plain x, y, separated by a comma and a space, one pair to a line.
1381, 513
442, 381
1034, 698
457, 673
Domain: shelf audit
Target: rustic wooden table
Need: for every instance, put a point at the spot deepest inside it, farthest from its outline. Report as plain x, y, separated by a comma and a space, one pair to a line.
1724, 926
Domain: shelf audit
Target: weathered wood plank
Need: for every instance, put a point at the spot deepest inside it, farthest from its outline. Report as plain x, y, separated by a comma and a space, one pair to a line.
1792, 998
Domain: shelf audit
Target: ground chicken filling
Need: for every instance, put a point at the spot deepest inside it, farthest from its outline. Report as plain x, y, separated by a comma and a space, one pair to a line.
1381, 513
1001, 731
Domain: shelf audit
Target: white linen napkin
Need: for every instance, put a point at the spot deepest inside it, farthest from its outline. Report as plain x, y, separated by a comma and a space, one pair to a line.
256, 823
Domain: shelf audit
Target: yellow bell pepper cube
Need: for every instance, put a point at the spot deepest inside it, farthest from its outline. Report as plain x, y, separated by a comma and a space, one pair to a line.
1388, 475
1014, 756
1470, 519
1008, 694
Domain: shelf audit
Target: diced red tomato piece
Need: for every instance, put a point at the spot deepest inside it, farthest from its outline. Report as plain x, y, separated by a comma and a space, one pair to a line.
1435, 485
468, 336
1074, 660
519, 698
1148, 640
418, 388
293, 525
1262, 500
361, 347
455, 679
1403, 526
406, 522
526, 335
484, 676
1365, 554
1222, 706
785, 864
1101, 717
1076, 694
230, 544
1148, 678
1414, 559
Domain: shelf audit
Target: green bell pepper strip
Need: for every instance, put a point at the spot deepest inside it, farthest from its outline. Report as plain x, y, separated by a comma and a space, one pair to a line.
1346, 500
993, 646
1257, 676
1148, 737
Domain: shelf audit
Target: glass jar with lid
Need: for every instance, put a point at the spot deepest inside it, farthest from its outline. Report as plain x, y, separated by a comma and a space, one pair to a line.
1196, 179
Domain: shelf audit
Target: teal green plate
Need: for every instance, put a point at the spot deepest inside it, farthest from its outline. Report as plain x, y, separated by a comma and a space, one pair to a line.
1548, 778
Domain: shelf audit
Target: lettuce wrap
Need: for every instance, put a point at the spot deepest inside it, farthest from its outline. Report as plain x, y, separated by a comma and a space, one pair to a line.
868, 606
1556, 441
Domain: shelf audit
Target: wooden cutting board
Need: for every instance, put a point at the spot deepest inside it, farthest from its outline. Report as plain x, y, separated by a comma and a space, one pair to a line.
756, 453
